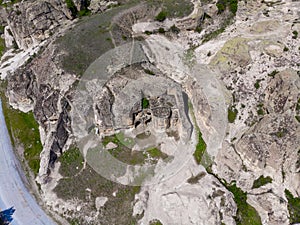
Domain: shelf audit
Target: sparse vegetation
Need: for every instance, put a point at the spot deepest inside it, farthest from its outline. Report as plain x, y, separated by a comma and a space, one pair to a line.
281, 133
246, 214
21, 126
200, 148
261, 181
273, 73
285, 49
71, 162
298, 104
232, 114
150, 72
295, 34
195, 179
222, 5
161, 30
2, 46
145, 103
155, 222
174, 29
71, 6
293, 207
257, 85
148, 32
75, 13
260, 112
91, 32
213, 34
117, 210
172, 8
161, 16
156, 153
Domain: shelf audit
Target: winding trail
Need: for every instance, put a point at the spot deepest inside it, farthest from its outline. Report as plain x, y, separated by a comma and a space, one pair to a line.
12, 189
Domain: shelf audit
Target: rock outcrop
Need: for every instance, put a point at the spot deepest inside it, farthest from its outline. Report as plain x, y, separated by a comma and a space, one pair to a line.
34, 21
43, 87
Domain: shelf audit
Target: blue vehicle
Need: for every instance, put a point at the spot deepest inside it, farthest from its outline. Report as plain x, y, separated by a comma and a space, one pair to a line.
6, 216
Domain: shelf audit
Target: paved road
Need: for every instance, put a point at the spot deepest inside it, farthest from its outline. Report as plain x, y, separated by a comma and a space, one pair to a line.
12, 190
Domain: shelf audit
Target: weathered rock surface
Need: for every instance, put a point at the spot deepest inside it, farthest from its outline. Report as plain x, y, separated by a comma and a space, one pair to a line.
44, 90
256, 58
34, 21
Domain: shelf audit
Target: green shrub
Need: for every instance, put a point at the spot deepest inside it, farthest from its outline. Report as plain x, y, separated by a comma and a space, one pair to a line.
223, 4
161, 16
161, 30
232, 113
155, 222
273, 73
256, 85
295, 34
293, 207
174, 29
71, 6
261, 181
260, 112
148, 32
145, 103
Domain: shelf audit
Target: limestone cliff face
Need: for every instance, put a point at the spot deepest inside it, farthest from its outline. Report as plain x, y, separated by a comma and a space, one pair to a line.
43, 87
33, 22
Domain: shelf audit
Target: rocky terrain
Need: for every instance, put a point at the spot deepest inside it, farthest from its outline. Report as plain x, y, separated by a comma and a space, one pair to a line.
160, 112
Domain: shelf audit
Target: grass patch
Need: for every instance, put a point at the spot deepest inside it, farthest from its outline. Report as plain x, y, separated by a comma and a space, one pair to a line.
297, 118
201, 145
92, 33
117, 210
232, 114
200, 148
261, 181
172, 8
156, 153
298, 104
123, 153
293, 207
2, 46
71, 162
246, 214
23, 130
145, 103
161, 16
108, 139
155, 222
